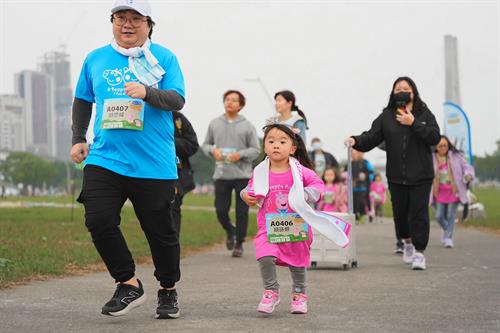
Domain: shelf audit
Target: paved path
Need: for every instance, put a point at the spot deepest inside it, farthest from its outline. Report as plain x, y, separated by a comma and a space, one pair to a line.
459, 292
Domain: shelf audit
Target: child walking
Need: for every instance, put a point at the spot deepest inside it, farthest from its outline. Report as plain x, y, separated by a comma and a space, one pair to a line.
285, 179
377, 197
335, 197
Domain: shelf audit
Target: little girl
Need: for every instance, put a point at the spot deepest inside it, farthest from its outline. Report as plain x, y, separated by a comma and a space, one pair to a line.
377, 197
335, 197
287, 163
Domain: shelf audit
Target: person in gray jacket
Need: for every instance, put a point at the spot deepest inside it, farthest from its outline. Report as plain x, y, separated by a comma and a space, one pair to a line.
232, 141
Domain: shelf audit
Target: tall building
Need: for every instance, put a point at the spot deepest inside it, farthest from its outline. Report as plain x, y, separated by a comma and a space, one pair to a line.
452, 83
37, 90
12, 126
56, 64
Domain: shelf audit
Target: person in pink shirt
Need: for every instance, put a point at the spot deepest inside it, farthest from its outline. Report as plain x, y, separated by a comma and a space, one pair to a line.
281, 142
451, 174
335, 196
377, 197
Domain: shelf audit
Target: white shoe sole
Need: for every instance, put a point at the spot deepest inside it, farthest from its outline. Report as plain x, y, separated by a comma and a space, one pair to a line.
418, 268
138, 302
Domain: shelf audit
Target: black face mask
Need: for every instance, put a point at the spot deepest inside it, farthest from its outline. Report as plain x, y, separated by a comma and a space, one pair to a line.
402, 98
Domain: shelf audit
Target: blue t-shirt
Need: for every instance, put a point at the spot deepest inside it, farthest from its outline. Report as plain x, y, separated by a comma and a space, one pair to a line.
149, 153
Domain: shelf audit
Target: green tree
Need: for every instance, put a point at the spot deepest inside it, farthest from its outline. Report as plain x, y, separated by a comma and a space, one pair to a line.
203, 167
488, 167
28, 169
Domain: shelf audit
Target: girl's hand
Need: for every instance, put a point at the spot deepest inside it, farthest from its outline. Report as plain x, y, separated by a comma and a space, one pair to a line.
135, 90
249, 199
405, 118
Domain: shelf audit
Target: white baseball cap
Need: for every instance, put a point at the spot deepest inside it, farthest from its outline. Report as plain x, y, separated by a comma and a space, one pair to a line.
140, 6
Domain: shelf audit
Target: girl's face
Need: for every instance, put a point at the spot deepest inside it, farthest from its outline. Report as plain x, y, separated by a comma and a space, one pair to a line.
282, 105
403, 86
442, 147
378, 179
278, 146
329, 176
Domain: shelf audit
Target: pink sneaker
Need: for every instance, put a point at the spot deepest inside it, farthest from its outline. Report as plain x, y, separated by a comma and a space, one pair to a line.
270, 300
299, 303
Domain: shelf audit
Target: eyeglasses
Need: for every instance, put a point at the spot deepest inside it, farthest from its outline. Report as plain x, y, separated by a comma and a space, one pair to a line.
136, 20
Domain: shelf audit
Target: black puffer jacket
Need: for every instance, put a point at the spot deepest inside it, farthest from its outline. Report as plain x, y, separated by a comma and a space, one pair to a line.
409, 155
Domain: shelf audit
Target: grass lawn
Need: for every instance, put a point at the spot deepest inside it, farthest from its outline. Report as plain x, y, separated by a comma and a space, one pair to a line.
189, 199
38, 242
489, 197
200, 200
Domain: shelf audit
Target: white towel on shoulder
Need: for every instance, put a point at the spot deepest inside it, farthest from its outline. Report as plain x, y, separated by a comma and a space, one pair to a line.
142, 63
323, 223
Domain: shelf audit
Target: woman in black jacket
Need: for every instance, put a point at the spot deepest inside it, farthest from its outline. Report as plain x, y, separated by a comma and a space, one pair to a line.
409, 129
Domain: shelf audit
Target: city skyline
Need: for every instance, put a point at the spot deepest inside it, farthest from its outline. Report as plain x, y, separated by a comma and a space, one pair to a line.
339, 58
36, 118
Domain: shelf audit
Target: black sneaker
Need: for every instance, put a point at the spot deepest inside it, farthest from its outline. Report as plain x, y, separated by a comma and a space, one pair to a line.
399, 247
230, 242
125, 298
168, 307
398, 250
238, 249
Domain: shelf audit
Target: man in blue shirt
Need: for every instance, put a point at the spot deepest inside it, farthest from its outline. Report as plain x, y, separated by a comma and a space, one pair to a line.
135, 85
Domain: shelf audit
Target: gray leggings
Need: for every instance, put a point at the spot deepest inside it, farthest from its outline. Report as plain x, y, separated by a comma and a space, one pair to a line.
270, 279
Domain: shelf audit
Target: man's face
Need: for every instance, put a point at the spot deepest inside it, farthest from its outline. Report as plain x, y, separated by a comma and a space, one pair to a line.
130, 28
232, 103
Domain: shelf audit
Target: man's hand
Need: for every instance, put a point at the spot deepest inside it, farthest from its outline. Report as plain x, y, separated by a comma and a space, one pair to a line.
217, 154
135, 90
79, 152
250, 200
234, 157
405, 118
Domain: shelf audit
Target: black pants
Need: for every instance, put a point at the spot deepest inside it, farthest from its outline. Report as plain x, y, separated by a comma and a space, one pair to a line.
223, 193
361, 202
103, 195
410, 206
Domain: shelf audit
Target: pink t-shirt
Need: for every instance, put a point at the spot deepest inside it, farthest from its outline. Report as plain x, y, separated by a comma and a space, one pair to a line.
287, 254
334, 198
445, 190
377, 192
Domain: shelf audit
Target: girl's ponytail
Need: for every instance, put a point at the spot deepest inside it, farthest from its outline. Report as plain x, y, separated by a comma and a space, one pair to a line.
301, 152
301, 113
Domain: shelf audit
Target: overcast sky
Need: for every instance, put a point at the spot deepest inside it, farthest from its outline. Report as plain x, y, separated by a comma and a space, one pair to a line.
339, 57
